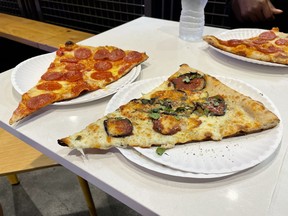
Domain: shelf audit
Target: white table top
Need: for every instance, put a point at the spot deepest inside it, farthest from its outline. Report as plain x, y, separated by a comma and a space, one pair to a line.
261, 190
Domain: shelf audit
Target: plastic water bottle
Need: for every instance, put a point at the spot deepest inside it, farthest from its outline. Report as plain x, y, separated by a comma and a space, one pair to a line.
192, 20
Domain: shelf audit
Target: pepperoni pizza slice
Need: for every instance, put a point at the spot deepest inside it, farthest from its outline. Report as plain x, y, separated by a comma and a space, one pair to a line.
77, 69
189, 106
269, 46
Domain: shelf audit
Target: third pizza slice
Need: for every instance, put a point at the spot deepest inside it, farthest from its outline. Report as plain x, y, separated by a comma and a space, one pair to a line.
269, 46
189, 106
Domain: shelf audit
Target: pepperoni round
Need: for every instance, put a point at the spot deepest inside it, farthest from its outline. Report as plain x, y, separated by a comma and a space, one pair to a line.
124, 69
82, 53
60, 52
80, 87
268, 35
69, 60
215, 105
40, 101
101, 54
74, 66
259, 41
103, 65
49, 86
50, 76
102, 75
116, 54
118, 127
72, 76
270, 49
133, 56
282, 41
190, 82
234, 42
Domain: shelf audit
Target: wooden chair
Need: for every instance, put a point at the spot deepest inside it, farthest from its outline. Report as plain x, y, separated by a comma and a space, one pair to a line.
17, 156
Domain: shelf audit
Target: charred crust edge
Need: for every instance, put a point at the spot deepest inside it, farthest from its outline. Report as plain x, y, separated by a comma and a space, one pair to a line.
61, 142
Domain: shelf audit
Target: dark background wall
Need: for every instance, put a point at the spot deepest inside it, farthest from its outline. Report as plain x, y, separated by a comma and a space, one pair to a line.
13, 53
96, 16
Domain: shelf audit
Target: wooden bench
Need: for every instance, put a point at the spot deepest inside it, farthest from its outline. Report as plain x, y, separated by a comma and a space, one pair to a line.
37, 34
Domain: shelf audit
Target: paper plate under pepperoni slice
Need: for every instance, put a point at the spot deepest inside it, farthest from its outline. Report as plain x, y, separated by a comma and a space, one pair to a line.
243, 33
27, 73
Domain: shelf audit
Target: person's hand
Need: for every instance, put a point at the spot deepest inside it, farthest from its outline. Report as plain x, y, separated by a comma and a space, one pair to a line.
254, 10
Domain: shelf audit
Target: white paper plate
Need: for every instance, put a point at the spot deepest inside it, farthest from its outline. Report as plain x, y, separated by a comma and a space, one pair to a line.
243, 34
26, 74
141, 160
209, 157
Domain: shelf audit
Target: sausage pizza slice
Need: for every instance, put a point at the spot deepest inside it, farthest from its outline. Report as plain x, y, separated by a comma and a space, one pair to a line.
75, 70
270, 46
189, 106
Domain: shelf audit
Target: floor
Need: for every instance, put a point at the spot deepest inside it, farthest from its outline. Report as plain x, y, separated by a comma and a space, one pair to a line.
52, 191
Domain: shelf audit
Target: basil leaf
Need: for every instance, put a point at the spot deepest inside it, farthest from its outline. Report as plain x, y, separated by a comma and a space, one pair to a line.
186, 79
160, 151
154, 115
